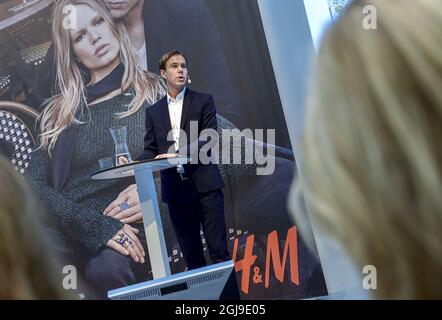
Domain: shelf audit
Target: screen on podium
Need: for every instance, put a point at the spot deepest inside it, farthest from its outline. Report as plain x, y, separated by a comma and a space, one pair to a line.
205, 283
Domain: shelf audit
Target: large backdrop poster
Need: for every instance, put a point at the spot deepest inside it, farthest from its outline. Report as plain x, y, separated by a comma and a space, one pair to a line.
228, 58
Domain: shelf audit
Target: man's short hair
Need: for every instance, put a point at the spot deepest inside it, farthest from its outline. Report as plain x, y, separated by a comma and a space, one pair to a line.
167, 56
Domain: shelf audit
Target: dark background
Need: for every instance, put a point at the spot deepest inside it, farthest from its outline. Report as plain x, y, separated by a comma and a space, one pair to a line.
247, 55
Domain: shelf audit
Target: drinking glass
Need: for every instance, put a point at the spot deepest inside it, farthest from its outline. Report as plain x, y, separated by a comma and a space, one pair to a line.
119, 134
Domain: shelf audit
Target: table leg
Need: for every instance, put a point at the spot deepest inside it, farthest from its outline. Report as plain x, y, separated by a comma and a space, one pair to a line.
153, 227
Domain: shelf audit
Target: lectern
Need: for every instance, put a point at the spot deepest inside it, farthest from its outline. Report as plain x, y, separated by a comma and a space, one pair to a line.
143, 171
202, 283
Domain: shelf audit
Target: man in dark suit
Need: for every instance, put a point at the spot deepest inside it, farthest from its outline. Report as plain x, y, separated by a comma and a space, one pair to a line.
194, 196
158, 26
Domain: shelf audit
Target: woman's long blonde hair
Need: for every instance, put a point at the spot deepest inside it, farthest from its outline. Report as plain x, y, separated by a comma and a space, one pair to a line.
371, 167
62, 109
28, 267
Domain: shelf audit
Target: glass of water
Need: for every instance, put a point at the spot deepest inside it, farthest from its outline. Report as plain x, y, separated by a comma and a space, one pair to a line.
119, 134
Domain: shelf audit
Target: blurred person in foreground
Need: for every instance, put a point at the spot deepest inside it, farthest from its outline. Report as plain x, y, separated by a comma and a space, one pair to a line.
28, 268
371, 167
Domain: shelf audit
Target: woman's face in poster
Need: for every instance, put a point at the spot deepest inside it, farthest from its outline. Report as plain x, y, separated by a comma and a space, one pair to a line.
93, 41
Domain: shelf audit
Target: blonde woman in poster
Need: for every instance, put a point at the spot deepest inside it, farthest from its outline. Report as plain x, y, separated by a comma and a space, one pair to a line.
74, 135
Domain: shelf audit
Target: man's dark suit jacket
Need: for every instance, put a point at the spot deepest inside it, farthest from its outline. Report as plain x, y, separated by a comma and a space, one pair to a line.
196, 107
172, 24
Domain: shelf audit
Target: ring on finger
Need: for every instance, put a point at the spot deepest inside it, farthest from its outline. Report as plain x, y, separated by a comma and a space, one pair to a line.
123, 206
120, 241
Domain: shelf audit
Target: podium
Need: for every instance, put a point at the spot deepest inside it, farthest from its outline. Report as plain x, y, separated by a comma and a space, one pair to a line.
143, 171
203, 283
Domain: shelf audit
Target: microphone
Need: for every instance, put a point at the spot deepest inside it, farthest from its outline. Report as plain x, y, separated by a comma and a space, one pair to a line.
189, 81
181, 172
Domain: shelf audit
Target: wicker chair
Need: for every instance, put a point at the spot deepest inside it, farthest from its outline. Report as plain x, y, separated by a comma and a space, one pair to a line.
16, 128
22, 50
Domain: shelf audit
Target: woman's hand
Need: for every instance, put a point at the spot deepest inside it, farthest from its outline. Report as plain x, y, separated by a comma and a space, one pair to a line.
122, 160
166, 155
126, 207
126, 242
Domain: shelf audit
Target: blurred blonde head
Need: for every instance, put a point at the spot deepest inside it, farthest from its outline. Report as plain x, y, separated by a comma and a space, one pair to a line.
28, 270
371, 167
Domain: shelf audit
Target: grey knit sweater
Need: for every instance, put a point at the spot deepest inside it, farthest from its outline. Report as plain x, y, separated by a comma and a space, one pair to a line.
78, 210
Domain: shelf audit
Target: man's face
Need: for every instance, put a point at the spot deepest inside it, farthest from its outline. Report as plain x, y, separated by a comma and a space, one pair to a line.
176, 72
120, 8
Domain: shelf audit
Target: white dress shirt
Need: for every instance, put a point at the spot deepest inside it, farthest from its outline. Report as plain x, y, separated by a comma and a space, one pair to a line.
175, 111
